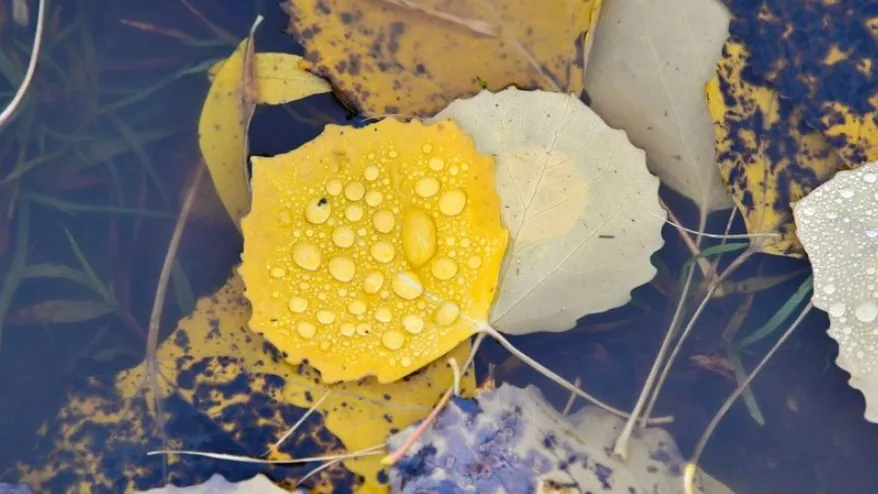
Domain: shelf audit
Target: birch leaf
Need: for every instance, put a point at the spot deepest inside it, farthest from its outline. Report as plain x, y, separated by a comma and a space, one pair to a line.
511, 440
389, 57
581, 207
650, 62
838, 225
225, 116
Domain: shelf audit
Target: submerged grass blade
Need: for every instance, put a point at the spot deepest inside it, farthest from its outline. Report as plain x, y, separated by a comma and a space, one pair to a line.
13, 276
86, 266
780, 316
73, 207
60, 271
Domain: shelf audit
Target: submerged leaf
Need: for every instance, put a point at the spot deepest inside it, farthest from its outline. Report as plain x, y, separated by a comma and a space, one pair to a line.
767, 154
227, 391
373, 251
838, 225
510, 440
225, 117
650, 62
217, 484
62, 311
413, 57
580, 205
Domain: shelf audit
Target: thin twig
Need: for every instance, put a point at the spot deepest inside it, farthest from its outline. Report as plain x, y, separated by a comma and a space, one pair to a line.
9, 111
569, 405
704, 264
298, 424
475, 25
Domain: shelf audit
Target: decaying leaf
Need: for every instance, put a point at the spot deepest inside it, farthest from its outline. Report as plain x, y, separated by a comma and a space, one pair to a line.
510, 440
819, 55
768, 156
61, 311
413, 57
650, 62
580, 205
838, 225
217, 484
227, 391
225, 117
373, 251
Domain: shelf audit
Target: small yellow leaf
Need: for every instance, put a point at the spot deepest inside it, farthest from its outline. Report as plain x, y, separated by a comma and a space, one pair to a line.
768, 156
373, 251
225, 117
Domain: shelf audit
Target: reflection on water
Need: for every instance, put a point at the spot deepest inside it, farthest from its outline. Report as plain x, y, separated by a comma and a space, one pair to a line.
92, 173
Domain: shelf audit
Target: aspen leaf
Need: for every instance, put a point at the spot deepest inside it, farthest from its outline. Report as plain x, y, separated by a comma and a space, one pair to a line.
390, 57
217, 484
838, 225
768, 156
650, 62
581, 207
373, 251
229, 105
510, 439
225, 390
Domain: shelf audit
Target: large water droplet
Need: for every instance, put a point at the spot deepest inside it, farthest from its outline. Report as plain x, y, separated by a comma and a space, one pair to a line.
452, 202
353, 212
372, 282
418, 237
444, 268
374, 198
383, 252
298, 304
317, 210
846, 193
446, 314
354, 190
837, 309
357, 307
866, 311
407, 285
393, 340
342, 268
325, 316
306, 255
412, 323
383, 314
829, 289
383, 221
427, 187
343, 237
306, 329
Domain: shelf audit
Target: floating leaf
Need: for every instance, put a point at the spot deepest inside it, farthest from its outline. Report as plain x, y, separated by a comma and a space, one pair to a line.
373, 251
510, 440
838, 226
225, 390
819, 55
62, 311
405, 56
767, 154
581, 207
217, 484
650, 62
225, 117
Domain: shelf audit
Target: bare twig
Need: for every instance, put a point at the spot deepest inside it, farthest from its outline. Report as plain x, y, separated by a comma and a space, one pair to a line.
475, 25
13, 105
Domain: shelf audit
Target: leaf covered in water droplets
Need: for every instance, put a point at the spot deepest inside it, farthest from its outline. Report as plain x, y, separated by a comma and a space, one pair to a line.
581, 207
838, 225
373, 251
510, 440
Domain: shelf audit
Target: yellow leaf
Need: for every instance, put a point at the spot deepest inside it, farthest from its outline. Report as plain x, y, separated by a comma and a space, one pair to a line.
373, 251
414, 57
225, 117
768, 156
225, 388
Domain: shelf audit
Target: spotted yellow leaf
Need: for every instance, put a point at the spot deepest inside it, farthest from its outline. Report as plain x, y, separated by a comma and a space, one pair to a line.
581, 207
768, 156
225, 390
414, 57
373, 251
225, 116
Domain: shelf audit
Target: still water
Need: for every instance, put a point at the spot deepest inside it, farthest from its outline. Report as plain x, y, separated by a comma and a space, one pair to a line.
93, 172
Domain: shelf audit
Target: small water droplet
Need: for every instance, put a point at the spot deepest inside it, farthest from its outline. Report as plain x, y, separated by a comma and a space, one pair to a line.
444, 268
343, 237
305, 329
829, 289
474, 262
347, 329
446, 314
306, 255
393, 154
372, 282
325, 316
374, 198
427, 187
357, 307
427, 148
383, 252
363, 329
837, 309
354, 190
846, 193
317, 210
353, 212
405, 362
866, 311
342, 268
407, 285
436, 163
277, 272
870, 178
333, 187
412, 323
371, 173
393, 340
383, 314
298, 304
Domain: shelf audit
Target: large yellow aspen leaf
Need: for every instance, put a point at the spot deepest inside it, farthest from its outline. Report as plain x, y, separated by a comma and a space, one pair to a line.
768, 156
414, 57
222, 129
225, 390
373, 251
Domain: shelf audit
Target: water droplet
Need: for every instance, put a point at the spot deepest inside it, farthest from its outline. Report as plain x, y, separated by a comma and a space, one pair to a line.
354, 190
444, 268
427, 148
866, 311
277, 272
436, 163
383, 252
306, 255
325, 316
393, 154
343, 237
446, 314
412, 323
418, 237
298, 304
474, 262
405, 362
305, 329
846, 193
452, 202
829, 289
317, 210
383, 314
357, 307
393, 340
363, 329
374, 198
333, 187
342, 268
325, 345
407, 285
347, 329
427, 187
837, 309
372, 282
371, 173
353, 212
870, 178
383, 221
871, 233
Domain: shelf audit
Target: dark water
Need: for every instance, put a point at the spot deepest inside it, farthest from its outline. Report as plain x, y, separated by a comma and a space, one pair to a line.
815, 439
